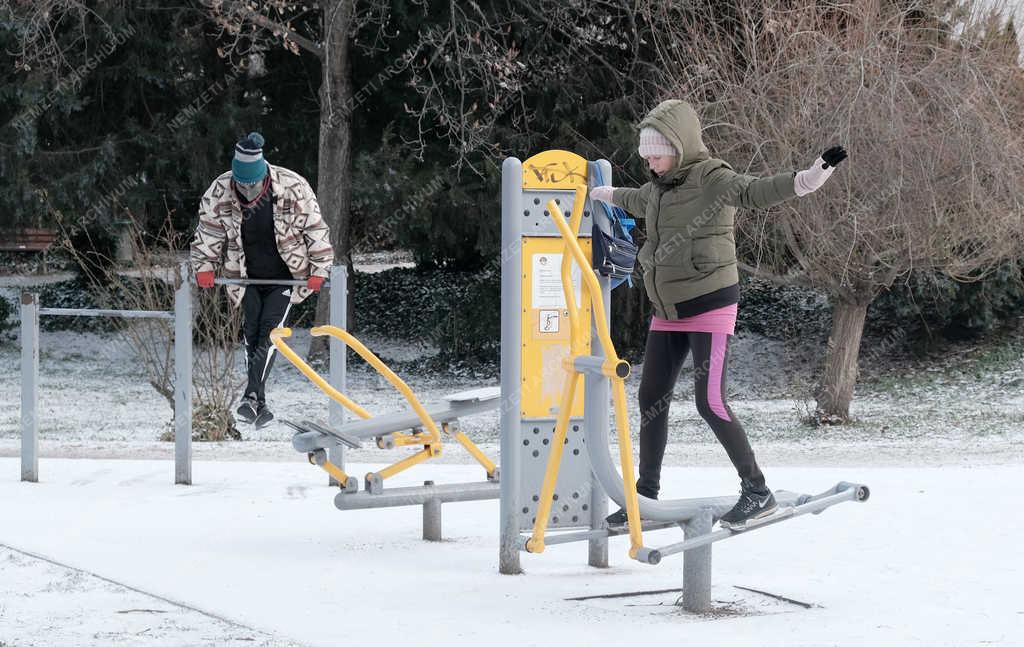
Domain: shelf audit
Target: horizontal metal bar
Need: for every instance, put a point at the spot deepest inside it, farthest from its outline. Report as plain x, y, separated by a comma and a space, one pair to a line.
401, 420
302, 282
812, 505
587, 535
93, 312
595, 365
404, 496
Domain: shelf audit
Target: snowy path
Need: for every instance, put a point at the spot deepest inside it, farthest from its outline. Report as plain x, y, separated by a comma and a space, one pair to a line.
261, 544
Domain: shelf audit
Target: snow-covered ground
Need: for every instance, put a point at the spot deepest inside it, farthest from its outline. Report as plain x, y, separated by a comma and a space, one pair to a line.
107, 551
933, 558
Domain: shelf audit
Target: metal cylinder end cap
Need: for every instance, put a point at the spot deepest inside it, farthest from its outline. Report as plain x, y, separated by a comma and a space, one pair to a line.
622, 369
648, 555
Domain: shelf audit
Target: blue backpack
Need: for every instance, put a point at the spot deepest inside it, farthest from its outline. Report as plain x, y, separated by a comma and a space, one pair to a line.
614, 251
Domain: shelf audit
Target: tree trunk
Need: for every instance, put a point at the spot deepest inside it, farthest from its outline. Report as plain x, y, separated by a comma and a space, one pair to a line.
334, 168
835, 391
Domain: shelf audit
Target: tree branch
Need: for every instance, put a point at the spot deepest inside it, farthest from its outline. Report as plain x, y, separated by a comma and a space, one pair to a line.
789, 279
274, 27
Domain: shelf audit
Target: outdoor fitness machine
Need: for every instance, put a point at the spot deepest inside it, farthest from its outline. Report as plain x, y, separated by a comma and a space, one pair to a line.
421, 427
558, 369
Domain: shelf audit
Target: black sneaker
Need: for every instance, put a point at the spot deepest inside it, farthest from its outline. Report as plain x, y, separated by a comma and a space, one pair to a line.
620, 518
750, 507
263, 416
617, 518
248, 410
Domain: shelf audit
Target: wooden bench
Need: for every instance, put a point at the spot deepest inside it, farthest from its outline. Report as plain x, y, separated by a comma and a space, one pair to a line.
28, 240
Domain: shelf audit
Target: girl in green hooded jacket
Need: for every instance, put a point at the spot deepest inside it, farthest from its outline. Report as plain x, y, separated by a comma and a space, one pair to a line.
690, 276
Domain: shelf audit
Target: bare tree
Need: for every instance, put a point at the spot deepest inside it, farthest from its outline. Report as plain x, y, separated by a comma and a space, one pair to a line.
926, 104
150, 285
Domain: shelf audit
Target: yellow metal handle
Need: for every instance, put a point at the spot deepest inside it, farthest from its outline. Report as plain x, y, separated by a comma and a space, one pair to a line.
382, 368
612, 361
277, 336
588, 277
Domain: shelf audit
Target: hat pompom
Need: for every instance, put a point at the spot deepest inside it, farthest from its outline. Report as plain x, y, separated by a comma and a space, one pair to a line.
256, 139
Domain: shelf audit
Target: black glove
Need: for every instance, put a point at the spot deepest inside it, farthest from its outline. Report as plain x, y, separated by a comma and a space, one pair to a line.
833, 156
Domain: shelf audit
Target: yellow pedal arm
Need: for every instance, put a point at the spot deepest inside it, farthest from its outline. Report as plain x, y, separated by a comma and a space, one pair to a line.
405, 463
536, 542
339, 474
473, 450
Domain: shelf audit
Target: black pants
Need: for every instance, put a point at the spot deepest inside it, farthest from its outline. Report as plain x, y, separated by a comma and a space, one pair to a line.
265, 307
664, 357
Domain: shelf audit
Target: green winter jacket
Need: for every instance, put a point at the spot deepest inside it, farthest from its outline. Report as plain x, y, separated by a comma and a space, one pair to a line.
690, 249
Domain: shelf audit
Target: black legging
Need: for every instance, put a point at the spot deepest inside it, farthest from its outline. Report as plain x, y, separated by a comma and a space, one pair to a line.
663, 359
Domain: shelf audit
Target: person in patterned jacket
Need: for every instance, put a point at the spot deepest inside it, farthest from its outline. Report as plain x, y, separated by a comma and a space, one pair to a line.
261, 221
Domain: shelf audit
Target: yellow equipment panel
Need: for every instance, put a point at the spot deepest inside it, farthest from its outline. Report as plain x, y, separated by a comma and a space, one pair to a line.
545, 326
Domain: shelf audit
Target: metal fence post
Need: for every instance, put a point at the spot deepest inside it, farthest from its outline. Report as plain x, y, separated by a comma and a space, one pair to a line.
697, 565
338, 317
183, 377
29, 387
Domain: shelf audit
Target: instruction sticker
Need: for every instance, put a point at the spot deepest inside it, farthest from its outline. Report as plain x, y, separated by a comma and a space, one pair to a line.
549, 321
546, 288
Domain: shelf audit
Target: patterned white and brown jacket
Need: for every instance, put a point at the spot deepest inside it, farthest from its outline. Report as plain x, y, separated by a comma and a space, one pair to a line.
303, 239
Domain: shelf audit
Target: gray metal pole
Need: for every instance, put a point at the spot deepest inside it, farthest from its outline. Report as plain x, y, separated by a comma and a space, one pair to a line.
183, 378
511, 267
595, 412
697, 565
417, 495
338, 376
431, 517
220, 281
596, 396
96, 312
29, 387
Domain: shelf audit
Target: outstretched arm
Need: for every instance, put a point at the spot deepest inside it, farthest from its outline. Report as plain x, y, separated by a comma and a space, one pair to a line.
739, 190
633, 201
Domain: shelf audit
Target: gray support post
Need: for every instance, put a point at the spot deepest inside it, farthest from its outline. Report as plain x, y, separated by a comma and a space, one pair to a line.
183, 377
511, 257
29, 387
596, 398
595, 412
431, 517
338, 317
697, 565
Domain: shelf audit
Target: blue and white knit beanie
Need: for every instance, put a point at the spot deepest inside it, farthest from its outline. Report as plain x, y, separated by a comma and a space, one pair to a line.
248, 165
